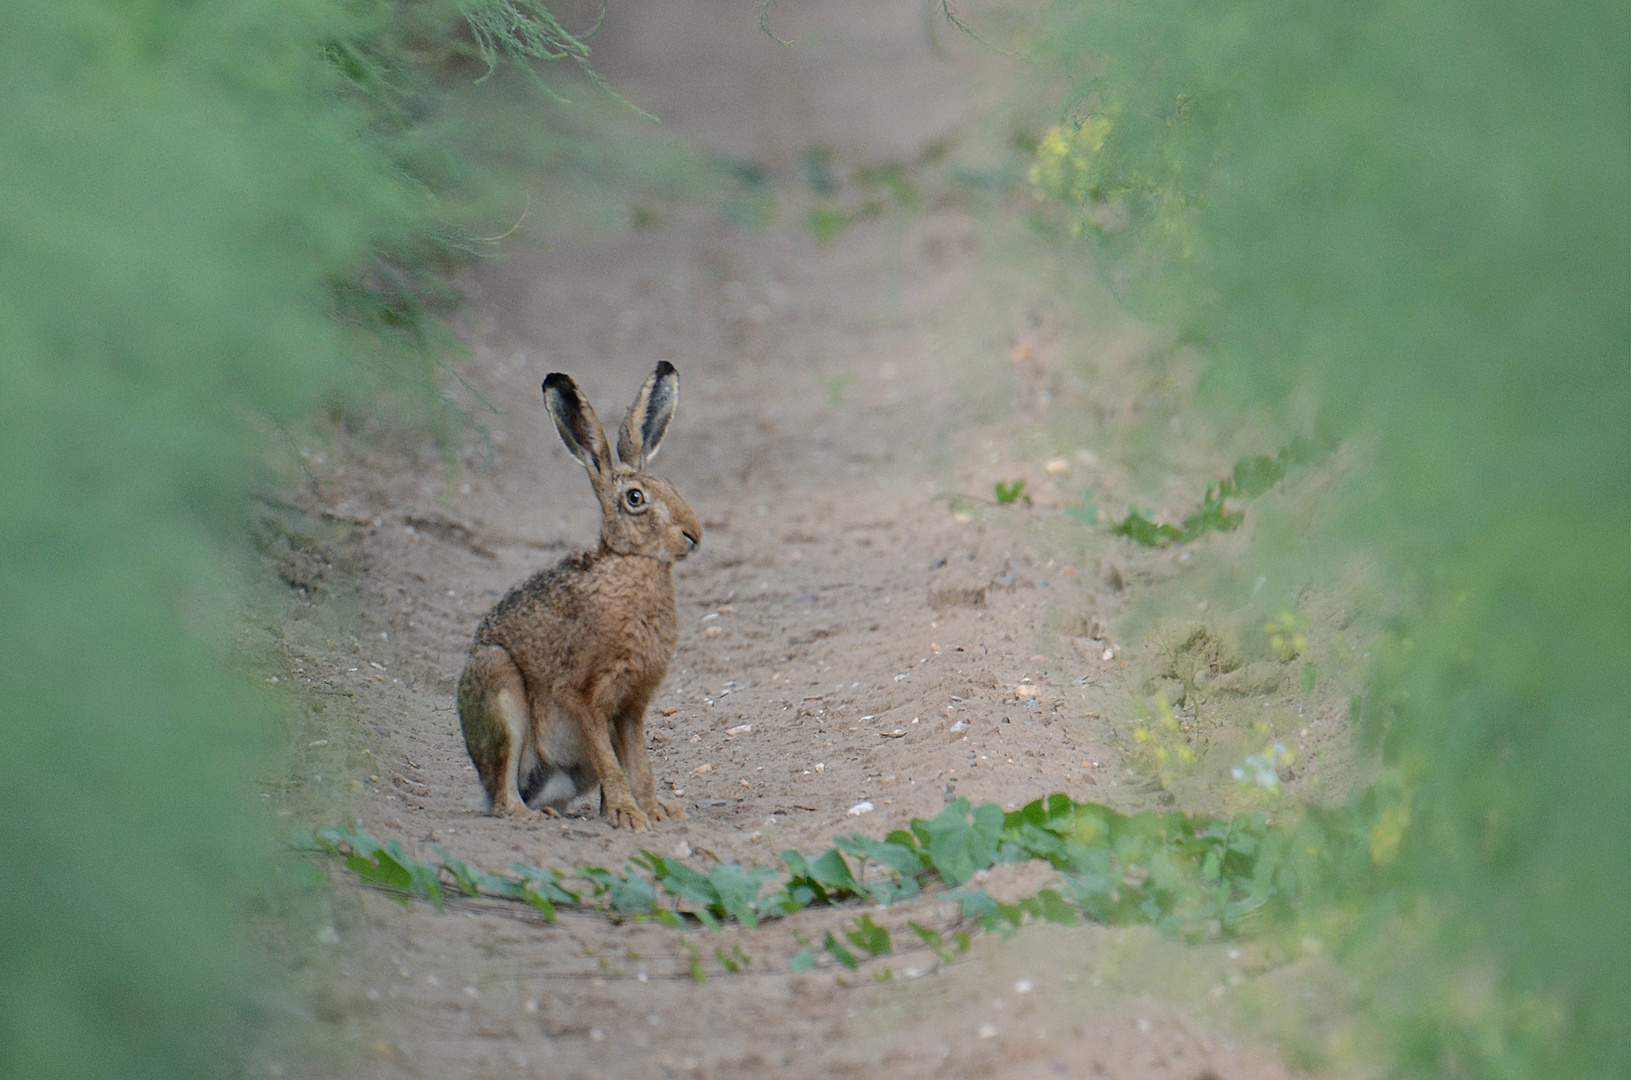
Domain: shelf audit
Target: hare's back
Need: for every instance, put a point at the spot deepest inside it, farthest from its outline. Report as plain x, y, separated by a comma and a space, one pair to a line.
543, 613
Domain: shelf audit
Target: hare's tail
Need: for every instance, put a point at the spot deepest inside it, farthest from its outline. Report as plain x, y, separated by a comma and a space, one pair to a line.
551, 785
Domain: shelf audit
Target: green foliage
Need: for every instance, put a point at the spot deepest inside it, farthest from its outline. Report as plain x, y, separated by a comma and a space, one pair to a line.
726, 891
178, 188
208, 212
838, 952
733, 961
1190, 875
1406, 226
699, 974
937, 941
961, 840
1250, 478
390, 869
869, 937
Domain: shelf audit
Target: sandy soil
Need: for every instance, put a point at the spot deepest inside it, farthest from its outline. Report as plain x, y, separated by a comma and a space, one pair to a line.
846, 638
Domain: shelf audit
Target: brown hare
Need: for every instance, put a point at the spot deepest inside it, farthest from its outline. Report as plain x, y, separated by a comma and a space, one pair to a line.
554, 695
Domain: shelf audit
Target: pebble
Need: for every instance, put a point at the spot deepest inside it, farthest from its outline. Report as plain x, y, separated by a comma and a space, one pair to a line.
861, 808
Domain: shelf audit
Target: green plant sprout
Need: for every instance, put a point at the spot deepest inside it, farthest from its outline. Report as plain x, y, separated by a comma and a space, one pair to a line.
837, 385
827, 222
1086, 510
1010, 492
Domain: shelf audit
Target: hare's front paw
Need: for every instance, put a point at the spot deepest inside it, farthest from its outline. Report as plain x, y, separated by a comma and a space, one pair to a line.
667, 810
625, 814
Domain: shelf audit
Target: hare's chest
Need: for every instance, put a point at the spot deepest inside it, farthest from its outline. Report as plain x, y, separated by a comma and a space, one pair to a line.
638, 623
646, 642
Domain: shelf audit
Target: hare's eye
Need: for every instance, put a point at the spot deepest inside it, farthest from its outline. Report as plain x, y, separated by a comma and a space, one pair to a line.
634, 497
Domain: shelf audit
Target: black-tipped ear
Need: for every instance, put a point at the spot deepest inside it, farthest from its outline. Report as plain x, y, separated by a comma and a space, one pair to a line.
575, 419
641, 435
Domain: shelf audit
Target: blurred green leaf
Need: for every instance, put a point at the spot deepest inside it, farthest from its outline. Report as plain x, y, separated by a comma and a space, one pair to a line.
868, 936
839, 953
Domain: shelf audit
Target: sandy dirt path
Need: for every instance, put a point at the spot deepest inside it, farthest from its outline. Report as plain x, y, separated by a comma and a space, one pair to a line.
846, 639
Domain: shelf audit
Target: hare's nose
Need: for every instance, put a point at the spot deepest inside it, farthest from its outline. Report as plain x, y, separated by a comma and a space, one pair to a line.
691, 540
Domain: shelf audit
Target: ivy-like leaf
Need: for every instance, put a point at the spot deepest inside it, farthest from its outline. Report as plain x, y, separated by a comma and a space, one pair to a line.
738, 890
901, 858
963, 840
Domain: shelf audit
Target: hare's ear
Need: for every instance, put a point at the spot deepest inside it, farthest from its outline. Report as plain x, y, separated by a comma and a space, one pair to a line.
580, 428
642, 431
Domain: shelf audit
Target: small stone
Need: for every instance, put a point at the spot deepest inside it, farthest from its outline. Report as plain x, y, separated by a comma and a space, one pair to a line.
860, 808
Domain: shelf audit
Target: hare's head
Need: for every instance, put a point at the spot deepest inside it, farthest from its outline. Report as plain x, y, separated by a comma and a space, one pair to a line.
640, 514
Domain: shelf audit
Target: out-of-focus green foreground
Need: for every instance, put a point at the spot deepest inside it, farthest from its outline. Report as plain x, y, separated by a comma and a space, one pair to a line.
1406, 225
182, 190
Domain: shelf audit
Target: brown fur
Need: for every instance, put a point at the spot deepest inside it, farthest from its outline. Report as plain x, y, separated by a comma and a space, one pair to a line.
562, 669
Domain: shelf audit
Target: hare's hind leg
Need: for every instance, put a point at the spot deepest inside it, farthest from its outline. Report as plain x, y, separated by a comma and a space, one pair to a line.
493, 714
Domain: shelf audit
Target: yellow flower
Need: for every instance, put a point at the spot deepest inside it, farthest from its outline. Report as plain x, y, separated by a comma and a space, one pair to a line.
1387, 835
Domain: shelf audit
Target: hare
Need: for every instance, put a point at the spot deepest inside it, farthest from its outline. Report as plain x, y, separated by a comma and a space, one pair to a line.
554, 695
